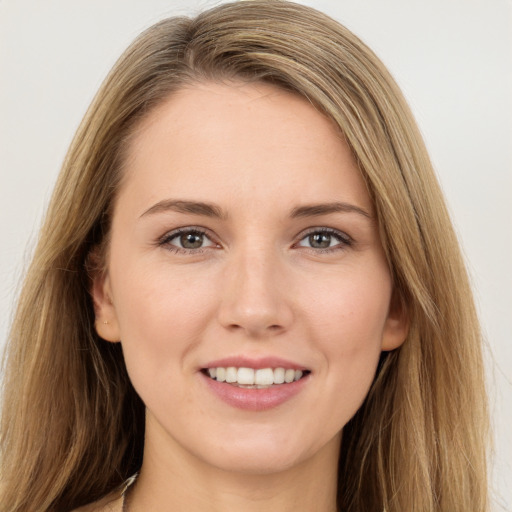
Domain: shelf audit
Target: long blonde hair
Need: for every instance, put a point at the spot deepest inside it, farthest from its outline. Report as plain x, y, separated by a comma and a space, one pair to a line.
72, 426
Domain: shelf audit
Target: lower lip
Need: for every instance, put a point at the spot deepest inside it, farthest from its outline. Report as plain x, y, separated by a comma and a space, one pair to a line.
255, 399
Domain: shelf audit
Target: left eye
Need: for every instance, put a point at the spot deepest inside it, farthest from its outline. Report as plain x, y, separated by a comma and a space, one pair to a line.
323, 240
191, 239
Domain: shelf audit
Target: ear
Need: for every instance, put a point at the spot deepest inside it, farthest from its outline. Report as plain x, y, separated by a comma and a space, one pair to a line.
396, 327
106, 322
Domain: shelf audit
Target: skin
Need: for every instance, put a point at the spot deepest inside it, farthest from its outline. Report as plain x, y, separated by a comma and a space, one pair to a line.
257, 287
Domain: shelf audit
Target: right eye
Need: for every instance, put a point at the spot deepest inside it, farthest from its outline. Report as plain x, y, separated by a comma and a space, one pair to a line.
187, 240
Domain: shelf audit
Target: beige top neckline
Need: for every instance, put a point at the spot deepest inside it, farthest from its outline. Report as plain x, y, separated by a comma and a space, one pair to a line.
113, 502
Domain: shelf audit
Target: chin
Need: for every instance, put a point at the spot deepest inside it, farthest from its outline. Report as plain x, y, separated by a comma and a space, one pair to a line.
251, 463
267, 454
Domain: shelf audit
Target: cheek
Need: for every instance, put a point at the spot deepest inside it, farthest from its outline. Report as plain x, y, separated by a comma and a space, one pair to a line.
350, 309
347, 319
151, 294
160, 315
161, 319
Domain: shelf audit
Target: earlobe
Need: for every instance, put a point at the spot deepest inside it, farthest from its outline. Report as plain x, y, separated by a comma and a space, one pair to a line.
106, 323
396, 328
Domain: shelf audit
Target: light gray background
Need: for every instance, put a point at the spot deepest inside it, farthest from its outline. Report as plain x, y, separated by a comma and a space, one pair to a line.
452, 58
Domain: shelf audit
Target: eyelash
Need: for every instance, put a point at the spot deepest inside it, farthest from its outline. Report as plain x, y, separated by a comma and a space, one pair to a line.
344, 241
166, 240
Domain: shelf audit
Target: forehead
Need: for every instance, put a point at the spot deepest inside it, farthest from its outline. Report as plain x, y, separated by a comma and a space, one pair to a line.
216, 140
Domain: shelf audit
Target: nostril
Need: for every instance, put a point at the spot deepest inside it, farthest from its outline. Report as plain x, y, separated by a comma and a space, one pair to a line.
253, 329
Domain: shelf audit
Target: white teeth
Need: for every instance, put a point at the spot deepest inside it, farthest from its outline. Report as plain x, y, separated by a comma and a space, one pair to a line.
279, 376
264, 377
289, 375
245, 376
231, 374
251, 378
221, 374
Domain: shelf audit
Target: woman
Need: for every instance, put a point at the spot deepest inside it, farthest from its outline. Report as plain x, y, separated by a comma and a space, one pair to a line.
247, 290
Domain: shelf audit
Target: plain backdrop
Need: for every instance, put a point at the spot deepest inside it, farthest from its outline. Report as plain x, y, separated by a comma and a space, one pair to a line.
452, 58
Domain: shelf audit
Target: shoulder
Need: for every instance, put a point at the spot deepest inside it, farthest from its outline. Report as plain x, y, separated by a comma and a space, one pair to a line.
113, 502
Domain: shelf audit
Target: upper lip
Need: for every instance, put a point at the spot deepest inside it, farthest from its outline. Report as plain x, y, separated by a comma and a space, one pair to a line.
256, 363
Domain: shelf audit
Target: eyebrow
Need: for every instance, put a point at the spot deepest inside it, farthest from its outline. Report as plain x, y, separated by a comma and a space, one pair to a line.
316, 210
212, 210
180, 206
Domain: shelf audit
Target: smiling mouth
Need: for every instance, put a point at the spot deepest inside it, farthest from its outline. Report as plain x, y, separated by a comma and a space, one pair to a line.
250, 378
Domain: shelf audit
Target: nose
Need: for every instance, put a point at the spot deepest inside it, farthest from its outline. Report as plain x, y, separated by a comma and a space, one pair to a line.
254, 296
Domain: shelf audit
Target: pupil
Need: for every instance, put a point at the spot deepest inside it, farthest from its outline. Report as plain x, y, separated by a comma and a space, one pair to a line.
191, 240
320, 240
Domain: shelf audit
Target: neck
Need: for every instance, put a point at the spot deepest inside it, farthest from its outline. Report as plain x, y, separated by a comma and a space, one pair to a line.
173, 479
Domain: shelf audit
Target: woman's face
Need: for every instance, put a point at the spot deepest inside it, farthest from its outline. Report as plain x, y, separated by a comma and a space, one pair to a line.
244, 237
